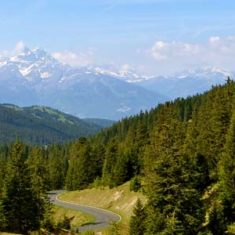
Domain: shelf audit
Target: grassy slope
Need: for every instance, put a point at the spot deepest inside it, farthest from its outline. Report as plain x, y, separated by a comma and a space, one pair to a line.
119, 200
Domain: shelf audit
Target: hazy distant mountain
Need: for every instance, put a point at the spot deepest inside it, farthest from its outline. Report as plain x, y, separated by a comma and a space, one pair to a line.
41, 125
35, 77
186, 84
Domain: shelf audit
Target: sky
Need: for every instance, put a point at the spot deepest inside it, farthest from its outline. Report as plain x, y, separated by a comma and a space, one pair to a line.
152, 37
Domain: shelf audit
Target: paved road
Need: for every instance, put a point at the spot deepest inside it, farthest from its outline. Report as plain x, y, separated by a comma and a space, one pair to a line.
103, 218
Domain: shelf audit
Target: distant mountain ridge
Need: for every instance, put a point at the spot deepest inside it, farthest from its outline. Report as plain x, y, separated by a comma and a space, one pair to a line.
41, 125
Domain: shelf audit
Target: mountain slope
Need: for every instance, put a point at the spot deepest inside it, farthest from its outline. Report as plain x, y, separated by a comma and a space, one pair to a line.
41, 125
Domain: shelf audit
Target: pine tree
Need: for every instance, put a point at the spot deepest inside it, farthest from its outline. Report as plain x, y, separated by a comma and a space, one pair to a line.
109, 163
57, 166
39, 178
71, 181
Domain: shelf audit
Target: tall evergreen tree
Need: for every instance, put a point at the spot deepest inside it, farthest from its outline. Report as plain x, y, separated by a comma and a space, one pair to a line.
40, 182
137, 222
109, 163
57, 166
20, 205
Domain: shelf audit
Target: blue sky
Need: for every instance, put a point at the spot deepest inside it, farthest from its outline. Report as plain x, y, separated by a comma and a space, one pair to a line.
150, 36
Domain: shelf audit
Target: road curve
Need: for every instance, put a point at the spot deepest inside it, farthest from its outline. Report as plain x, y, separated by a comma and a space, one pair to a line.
103, 218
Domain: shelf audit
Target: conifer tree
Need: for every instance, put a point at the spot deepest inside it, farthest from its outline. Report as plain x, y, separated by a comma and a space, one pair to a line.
39, 178
137, 222
71, 181
20, 203
57, 166
109, 163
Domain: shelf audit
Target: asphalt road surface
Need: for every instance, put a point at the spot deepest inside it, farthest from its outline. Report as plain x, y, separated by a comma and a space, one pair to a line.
103, 218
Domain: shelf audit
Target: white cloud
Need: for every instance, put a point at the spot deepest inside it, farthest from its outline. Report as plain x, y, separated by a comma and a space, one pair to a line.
175, 56
74, 59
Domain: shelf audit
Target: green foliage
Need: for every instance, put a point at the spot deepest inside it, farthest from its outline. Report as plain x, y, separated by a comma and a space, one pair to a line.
21, 206
174, 196
24, 205
227, 165
85, 164
223, 212
115, 229
135, 184
137, 222
109, 163
57, 165
65, 223
89, 233
217, 223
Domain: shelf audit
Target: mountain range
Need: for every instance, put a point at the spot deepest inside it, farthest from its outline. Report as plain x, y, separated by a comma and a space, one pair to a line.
34, 77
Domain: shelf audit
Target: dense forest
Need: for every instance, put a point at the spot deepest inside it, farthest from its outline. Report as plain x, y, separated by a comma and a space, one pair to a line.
181, 155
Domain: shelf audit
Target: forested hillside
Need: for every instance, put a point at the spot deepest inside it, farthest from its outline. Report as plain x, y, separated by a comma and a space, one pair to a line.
180, 154
41, 125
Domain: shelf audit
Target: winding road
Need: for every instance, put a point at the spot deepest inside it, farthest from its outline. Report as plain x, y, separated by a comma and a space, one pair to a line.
103, 217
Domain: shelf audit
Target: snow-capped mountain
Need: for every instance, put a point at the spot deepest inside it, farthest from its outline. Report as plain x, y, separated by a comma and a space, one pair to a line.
34, 77
36, 65
187, 83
